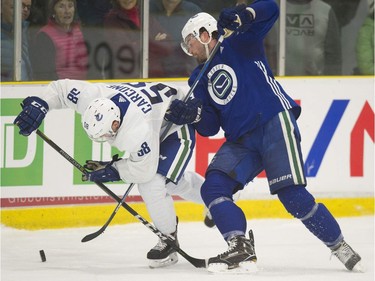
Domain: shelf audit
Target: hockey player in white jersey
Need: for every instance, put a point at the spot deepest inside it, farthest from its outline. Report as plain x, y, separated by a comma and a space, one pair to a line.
130, 117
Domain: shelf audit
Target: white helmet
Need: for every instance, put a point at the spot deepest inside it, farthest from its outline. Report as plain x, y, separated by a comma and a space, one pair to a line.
193, 26
98, 118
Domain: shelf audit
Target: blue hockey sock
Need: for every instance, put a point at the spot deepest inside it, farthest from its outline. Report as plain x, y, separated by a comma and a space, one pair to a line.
316, 217
217, 191
323, 225
229, 219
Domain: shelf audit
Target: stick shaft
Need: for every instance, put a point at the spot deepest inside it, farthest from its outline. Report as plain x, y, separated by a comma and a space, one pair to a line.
192, 88
170, 240
95, 234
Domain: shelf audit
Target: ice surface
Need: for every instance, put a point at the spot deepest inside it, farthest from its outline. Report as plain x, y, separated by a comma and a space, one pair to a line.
286, 252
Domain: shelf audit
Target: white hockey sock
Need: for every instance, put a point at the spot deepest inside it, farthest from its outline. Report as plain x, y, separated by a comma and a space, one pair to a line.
189, 187
159, 204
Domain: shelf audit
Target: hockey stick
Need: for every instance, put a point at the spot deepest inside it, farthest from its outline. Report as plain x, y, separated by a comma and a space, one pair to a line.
95, 234
200, 74
170, 240
165, 132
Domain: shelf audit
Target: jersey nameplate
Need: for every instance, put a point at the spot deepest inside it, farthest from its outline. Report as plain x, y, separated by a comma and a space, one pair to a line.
134, 96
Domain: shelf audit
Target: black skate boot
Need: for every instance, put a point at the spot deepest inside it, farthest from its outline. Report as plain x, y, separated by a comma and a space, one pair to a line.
348, 257
239, 258
162, 254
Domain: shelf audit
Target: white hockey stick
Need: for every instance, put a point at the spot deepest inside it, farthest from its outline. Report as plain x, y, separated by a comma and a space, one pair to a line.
169, 239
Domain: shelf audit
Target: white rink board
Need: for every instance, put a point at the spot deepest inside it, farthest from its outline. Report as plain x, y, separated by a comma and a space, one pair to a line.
318, 97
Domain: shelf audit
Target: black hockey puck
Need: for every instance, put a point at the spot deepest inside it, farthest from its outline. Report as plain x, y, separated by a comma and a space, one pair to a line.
42, 255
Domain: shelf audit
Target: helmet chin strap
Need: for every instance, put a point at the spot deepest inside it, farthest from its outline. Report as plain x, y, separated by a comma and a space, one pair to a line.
206, 46
207, 50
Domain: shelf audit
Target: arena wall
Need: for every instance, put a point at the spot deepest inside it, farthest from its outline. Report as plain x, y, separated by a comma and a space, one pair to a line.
40, 189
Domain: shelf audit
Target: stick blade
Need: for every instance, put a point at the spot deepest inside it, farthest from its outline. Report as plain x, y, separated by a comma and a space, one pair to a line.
198, 263
91, 236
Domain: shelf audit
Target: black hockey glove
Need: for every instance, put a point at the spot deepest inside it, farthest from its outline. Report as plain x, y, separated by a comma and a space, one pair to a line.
181, 113
34, 110
238, 19
101, 171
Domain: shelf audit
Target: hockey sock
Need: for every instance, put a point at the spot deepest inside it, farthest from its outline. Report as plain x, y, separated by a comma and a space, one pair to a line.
316, 217
159, 204
217, 193
188, 187
229, 219
323, 225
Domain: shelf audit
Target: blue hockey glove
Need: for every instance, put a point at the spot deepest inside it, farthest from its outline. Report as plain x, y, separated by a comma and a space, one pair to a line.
101, 171
34, 110
234, 19
181, 113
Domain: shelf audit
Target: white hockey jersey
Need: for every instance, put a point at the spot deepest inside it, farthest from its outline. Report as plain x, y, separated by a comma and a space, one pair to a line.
141, 126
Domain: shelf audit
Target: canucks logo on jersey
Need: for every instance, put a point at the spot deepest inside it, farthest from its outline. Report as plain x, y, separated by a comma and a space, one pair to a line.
222, 83
98, 116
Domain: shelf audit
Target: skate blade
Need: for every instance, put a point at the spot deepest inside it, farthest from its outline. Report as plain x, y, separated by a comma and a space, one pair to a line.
359, 268
243, 268
170, 260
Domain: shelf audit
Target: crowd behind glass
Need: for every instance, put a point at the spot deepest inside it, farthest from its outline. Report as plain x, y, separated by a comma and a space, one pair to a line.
104, 39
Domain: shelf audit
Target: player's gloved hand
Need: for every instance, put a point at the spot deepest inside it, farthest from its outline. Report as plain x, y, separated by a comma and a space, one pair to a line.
101, 171
34, 110
181, 112
233, 19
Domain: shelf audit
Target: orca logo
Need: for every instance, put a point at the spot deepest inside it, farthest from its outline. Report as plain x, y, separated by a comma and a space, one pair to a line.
98, 117
162, 157
222, 83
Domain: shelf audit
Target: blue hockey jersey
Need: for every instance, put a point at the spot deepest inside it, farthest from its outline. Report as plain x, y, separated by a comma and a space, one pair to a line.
238, 90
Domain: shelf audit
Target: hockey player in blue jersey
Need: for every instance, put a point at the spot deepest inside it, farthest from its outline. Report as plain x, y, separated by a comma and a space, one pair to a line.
239, 94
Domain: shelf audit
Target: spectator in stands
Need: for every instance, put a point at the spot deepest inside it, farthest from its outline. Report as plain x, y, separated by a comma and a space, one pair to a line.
313, 44
39, 13
38, 17
172, 16
365, 44
7, 41
92, 12
59, 50
345, 10
124, 14
122, 34
214, 7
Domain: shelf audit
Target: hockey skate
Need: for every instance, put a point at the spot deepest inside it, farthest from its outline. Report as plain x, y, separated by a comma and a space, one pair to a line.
162, 254
239, 258
348, 257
